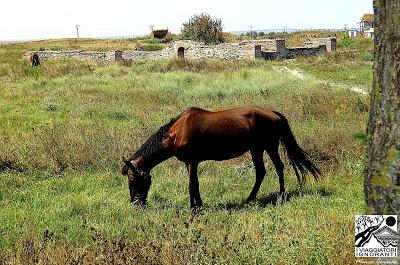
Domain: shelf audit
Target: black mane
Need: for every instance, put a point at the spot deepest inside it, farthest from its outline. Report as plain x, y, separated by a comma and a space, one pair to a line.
152, 148
153, 145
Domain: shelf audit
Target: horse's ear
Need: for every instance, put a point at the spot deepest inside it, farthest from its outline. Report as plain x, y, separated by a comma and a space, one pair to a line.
130, 165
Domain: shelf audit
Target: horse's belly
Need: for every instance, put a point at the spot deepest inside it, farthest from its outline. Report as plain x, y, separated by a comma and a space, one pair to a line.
219, 148
217, 156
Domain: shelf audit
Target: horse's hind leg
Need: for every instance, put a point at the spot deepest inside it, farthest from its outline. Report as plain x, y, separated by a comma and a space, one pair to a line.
195, 200
258, 161
273, 153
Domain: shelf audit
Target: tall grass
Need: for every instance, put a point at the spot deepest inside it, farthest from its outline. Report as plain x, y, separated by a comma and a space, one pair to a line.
88, 118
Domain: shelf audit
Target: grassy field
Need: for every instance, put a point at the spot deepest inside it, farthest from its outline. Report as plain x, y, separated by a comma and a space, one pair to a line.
65, 125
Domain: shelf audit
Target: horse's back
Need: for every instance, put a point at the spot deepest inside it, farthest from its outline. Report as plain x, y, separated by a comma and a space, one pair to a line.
241, 117
223, 134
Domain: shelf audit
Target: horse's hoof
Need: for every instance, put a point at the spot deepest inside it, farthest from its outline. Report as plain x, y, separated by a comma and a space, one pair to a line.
139, 203
283, 196
196, 208
250, 200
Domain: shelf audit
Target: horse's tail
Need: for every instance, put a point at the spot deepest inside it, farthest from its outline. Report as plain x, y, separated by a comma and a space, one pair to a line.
297, 156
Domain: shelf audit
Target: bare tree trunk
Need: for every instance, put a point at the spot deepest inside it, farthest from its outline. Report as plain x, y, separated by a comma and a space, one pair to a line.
382, 173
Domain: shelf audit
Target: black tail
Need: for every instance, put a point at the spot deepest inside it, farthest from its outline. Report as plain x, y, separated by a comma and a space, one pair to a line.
297, 156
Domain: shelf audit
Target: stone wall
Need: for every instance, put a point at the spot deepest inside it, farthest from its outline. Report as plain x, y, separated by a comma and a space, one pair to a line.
330, 43
311, 48
304, 51
224, 51
249, 50
80, 55
266, 45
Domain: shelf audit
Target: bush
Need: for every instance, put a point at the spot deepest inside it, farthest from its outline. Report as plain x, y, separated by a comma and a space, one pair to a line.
203, 28
170, 37
345, 40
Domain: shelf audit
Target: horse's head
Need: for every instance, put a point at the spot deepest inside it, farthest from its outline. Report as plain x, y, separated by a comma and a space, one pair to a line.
139, 182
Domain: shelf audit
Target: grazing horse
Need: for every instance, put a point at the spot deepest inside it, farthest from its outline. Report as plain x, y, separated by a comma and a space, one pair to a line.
35, 59
198, 135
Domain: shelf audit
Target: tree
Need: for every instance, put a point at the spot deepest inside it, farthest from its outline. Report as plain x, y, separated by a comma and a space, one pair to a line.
203, 28
382, 172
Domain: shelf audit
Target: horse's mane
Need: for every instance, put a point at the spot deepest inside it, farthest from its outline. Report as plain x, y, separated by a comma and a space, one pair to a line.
153, 145
152, 148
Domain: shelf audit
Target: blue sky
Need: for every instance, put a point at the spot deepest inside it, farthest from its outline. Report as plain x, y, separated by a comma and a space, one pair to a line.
56, 18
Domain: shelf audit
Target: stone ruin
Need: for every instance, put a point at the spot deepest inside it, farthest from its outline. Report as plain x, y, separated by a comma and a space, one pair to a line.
245, 50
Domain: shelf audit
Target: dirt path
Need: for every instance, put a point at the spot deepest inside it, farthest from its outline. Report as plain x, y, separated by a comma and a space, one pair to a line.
302, 74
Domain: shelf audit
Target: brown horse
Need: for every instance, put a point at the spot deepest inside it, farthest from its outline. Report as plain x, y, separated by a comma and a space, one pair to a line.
198, 135
34, 58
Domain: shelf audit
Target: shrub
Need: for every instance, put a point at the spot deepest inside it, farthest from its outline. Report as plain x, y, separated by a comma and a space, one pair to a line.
170, 37
203, 28
345, 40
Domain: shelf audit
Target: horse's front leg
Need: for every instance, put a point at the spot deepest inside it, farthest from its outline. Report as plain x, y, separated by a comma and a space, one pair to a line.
258, 161
195, 200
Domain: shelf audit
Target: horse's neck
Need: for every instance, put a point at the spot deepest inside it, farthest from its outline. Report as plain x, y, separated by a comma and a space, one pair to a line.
147, 164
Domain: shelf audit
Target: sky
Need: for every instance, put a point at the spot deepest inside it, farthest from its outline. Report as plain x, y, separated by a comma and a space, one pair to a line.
41, 19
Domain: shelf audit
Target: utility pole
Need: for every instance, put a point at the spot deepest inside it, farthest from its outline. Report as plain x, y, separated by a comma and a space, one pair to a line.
77, 32
152, 30
251, 31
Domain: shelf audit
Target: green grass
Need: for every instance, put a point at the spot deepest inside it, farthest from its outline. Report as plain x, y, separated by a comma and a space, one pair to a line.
65, 125
312, 226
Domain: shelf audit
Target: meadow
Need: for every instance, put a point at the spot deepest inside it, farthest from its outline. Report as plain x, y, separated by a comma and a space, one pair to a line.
65, 125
